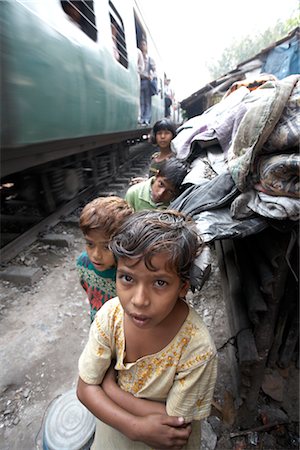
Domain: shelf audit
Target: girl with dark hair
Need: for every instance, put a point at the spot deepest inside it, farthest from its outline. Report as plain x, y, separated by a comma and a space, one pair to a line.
162, 133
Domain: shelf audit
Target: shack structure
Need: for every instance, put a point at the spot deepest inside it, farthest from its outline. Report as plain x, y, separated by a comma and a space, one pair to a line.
243, 193
281, 59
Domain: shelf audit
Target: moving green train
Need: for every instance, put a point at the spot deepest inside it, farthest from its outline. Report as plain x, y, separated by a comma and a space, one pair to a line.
68, 104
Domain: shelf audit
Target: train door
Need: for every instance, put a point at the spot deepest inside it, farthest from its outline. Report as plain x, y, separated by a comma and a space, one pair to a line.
142, 32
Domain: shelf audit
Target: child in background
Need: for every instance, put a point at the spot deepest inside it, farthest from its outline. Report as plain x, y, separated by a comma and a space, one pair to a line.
157, 192
160, 349
162, 134
99, 221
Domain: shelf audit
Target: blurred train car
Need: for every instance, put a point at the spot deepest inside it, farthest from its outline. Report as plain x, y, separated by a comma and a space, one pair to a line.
69, 107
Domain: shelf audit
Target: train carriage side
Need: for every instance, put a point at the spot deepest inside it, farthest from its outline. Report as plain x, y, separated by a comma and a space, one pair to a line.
64, 92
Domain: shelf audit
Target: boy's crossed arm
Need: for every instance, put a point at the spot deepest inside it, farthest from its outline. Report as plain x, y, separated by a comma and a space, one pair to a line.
138, 419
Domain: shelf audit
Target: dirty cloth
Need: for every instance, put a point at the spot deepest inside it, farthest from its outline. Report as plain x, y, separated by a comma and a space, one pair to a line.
219, 224
285, 135
201, 269
270, 206
202, 129
267, 105
279, 175
258, 135
211, 194
209, 205
210, 163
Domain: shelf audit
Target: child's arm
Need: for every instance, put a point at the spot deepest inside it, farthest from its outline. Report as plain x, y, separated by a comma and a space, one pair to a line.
155, 430
137, 406
136, 180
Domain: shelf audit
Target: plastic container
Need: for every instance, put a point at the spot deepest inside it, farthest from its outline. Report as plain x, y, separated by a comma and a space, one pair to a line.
68, 424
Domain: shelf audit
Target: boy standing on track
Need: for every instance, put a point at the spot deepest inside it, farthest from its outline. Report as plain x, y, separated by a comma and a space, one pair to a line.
99, 221
162, 133
157, 192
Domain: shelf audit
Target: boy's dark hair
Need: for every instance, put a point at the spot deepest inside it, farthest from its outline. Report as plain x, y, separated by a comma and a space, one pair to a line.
174, 171
147, 233
105, 214
163, 124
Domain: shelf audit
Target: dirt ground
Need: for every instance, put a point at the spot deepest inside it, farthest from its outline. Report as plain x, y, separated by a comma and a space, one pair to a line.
44, 329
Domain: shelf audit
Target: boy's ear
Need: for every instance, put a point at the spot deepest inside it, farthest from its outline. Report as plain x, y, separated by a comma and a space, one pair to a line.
184, 288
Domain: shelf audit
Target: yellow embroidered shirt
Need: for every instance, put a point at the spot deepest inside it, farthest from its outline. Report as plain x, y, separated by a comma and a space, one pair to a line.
182, 375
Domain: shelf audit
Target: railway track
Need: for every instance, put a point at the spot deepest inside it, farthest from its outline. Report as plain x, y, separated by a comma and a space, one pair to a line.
44, 325
23, 224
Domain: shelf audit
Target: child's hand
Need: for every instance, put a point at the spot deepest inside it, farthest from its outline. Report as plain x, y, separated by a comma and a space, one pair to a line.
163, 431
137, 180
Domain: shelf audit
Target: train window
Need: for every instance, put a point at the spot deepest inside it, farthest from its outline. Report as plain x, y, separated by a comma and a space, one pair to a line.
118, 36
81, 13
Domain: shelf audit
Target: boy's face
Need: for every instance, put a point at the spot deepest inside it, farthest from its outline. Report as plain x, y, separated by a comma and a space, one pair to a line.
148, 297
97, 249
144, 47
162, 191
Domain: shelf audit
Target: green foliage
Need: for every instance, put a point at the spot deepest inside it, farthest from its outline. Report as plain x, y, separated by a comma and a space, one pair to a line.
249, 46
